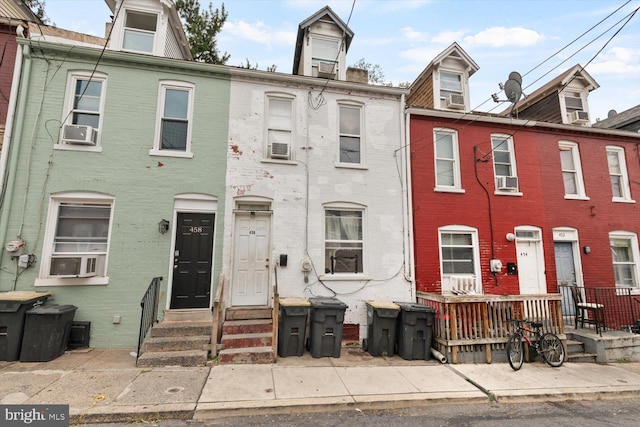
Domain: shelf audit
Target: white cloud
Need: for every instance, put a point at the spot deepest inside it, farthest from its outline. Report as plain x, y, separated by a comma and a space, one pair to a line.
501, 36
257, 32
412, 35
448, 37
420, 55
617, 60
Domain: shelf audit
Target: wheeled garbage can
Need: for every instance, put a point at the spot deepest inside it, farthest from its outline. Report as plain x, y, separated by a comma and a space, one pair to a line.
13, 306
292, 326
415, 331
381, 328
46, 332
327, 316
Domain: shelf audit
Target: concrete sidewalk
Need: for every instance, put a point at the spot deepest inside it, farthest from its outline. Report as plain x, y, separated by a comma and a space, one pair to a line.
101, 385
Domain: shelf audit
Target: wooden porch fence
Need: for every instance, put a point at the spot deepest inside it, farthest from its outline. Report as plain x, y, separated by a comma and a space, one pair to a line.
469, 323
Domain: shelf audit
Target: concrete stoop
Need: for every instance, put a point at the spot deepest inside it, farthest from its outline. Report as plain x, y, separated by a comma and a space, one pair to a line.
612, 346
247, 336
576, 352
183, 338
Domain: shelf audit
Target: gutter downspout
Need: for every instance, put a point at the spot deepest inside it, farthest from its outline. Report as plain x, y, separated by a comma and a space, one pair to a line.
9, 186
408, 205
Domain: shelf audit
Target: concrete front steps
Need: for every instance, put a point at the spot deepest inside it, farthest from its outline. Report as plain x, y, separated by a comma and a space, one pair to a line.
576, 352
247, 336
183, 338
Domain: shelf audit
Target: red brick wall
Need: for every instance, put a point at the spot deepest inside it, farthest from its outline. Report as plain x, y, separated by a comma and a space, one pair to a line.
8, 46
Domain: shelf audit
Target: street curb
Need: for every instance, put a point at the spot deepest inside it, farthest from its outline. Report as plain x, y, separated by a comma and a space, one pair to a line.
135, 414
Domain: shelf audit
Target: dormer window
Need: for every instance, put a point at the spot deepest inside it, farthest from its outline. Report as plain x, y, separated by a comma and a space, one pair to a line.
324, 59
139, 31
575, 108
451, 92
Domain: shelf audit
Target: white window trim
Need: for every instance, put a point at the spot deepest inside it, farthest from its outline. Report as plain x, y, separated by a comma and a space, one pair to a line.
625, 188
50, 229
339, 61
345, 206
457, 180
284, 97
633, 238
438, 88
575, 153
361, 164
563, 103
512, 159
177, 85
445, 279
69, 99
154, 48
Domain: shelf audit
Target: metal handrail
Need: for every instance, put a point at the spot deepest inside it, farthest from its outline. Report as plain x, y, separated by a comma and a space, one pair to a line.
149, 305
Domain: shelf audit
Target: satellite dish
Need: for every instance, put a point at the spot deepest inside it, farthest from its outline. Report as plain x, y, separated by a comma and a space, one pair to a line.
611, 113
514, 75
513, 89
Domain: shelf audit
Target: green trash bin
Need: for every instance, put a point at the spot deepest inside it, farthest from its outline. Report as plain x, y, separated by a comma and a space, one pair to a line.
415, 331
381, 328
13, 307
327, 316
292, 326
46, 332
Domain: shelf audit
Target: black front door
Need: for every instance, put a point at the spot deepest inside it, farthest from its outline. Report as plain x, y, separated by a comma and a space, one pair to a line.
192, 261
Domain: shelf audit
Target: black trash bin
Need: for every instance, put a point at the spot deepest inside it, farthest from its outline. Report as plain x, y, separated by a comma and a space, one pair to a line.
327, 316
381, 328
415, 331
46, 332
13, 306
292, 326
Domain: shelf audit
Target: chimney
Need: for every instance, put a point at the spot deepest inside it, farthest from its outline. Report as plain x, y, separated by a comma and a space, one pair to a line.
357, 75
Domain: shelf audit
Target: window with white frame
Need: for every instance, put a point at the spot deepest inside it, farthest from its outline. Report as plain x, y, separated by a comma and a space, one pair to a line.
174, 118
279, 127
459, 258
571, 170
139, 31
77, 239
84, 108
344, 241
624, 252
325, 57
451, 91
447, 162
504, 163
618, 174
350, 134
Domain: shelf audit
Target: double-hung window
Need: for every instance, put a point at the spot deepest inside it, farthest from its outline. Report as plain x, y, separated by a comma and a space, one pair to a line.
451, 92
447, 161
504, 163
139, 31
344, 242
279, 127
325, 57
618, 174
174, 119
350, 134
571, 170
84, 109
459, 258
624, 252
77, 239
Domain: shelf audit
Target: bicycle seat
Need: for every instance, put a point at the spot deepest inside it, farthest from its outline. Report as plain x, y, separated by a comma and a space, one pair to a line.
536, 324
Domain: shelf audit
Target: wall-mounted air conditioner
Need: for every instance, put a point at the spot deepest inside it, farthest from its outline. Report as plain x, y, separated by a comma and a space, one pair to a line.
507, 182
579, 117
279, 150
80, 135
455, 102
80, 266
327, 69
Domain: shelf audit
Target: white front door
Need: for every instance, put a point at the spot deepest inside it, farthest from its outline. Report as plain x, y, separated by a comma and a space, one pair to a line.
250, 280
530, 261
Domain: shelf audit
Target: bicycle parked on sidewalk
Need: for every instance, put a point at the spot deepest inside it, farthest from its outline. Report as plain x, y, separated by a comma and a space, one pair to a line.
546, 344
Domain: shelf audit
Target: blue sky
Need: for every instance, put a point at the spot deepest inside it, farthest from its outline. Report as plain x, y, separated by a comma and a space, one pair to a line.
402, 36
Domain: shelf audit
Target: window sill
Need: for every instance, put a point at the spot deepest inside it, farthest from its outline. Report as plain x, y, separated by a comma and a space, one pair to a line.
279, 162
344, 277
72, 281
618, 200
449, 190
573, 197
71, 147
351, 166
508, 193
169, 153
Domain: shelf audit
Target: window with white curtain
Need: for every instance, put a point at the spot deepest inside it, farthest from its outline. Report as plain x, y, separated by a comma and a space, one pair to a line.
343, 241
571, 170
624, 253
447, 163
618, 174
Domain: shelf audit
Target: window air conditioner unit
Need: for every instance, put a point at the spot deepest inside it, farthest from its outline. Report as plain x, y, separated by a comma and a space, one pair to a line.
80, 135
507, 183
579, 117
455, 102
81, 266
279, 150
327, 69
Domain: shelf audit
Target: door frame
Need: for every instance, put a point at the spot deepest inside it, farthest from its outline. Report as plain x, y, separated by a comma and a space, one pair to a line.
570, 235
245, 205
192, 203
539, 255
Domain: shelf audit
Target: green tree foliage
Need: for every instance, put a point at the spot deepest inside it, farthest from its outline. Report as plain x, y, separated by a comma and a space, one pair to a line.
376, 76
37, 7
248, 65
202, 27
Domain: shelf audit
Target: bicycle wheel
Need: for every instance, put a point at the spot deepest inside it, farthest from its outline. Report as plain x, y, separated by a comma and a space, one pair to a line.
552, 350
514, 351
